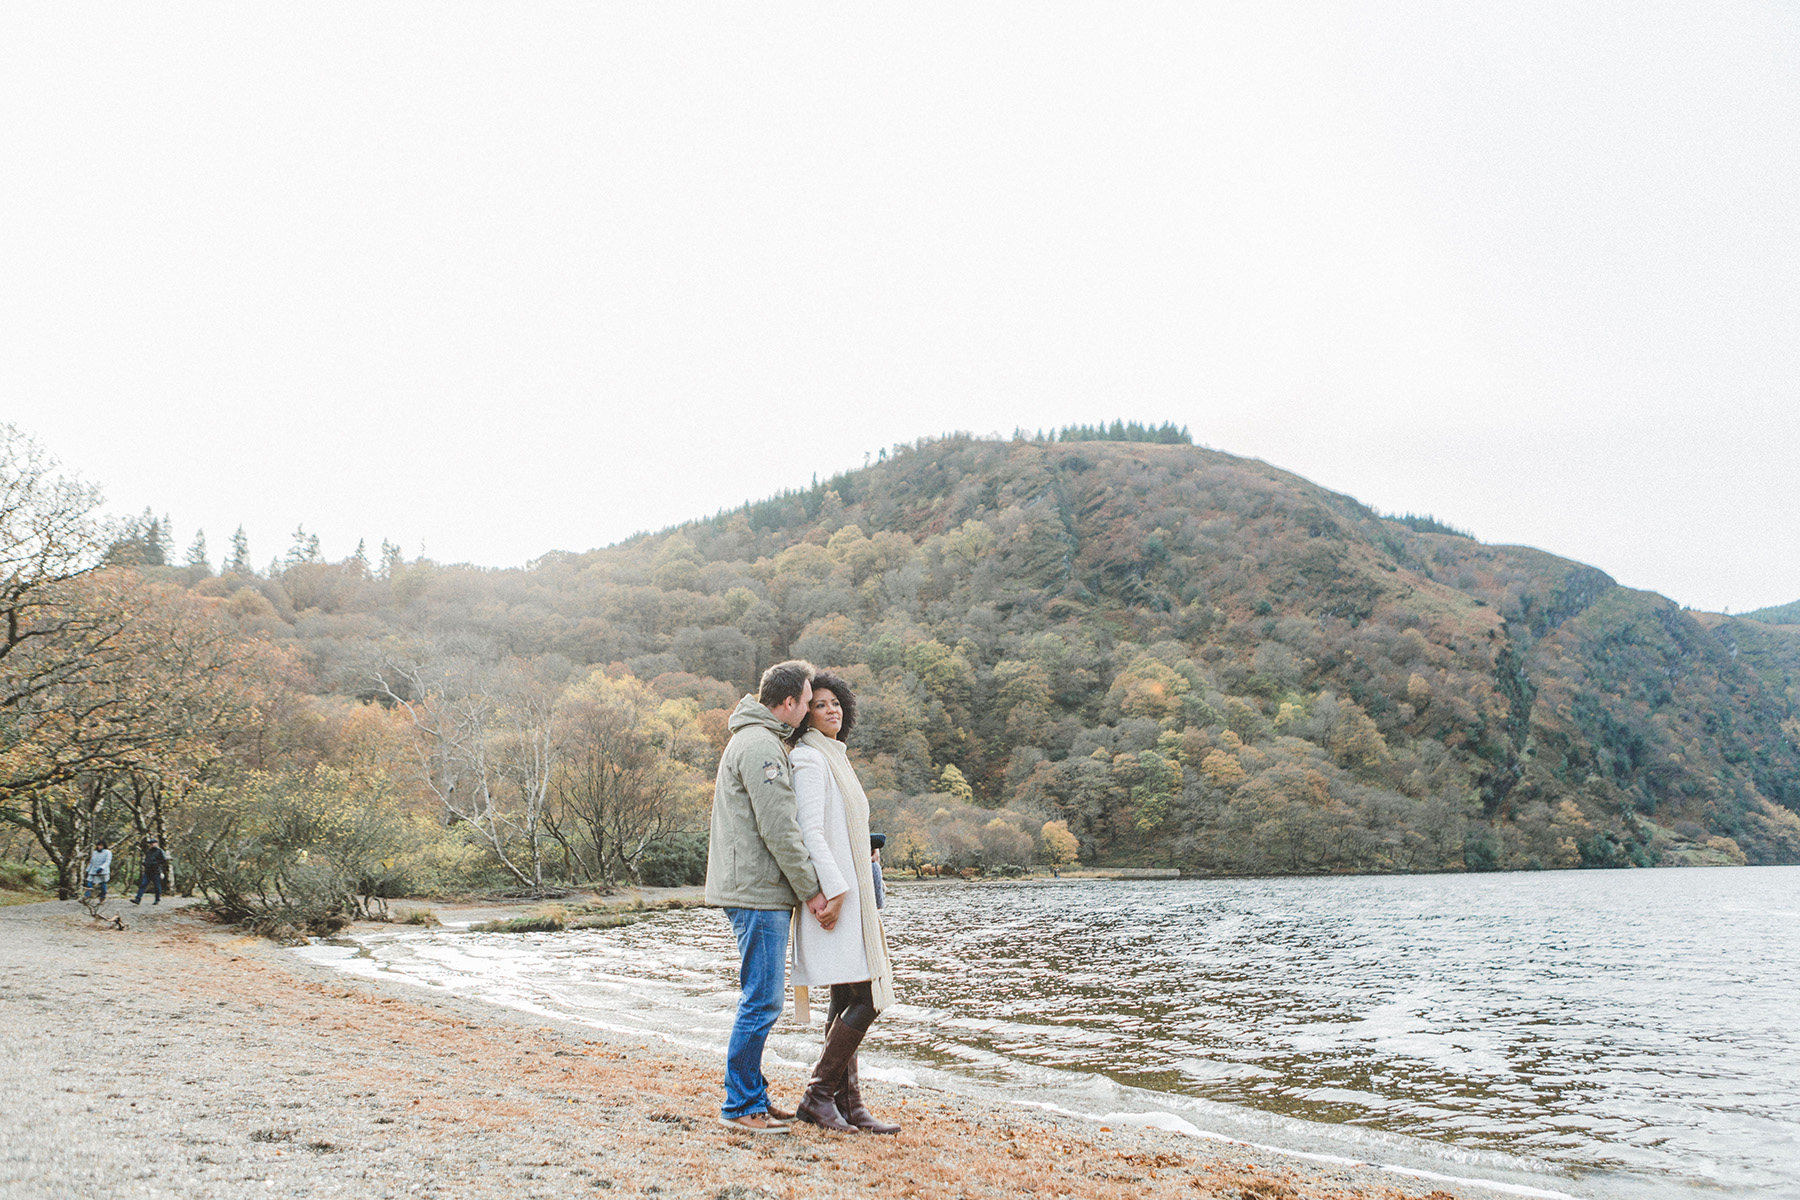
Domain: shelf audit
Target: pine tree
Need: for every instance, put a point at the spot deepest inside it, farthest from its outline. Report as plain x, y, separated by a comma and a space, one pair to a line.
147, 532
305, 548
1168, 433
165, 540
390, 559
239, 562
196, 555
359, 562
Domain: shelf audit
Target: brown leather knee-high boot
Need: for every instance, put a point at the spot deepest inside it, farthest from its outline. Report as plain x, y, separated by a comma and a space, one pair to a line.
819, 1105
850, 1105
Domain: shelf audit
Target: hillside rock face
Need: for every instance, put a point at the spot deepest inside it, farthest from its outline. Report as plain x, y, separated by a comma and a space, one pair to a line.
1194, 660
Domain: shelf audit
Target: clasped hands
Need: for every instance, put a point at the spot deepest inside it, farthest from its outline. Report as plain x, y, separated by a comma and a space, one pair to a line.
827, 910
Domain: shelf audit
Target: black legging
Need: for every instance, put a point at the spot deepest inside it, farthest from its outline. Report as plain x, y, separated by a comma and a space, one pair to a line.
852, 1003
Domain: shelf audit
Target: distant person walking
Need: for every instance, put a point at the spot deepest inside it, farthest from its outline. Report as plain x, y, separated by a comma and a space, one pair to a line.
850, 957
99, 871
758, 871
152, 878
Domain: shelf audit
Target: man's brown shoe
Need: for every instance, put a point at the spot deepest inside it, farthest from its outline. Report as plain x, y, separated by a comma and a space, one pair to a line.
779, 1115
755, 1123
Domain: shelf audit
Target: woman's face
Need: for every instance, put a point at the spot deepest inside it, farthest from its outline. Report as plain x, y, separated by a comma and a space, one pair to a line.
825, 713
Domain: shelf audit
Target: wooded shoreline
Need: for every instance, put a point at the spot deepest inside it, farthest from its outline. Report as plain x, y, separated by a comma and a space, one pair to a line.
1108, 649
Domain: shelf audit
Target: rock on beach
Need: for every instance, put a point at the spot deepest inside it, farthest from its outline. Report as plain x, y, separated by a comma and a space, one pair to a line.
178, 1059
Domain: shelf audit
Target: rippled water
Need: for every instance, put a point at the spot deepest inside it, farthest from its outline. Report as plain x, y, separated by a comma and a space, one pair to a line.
1600, 1033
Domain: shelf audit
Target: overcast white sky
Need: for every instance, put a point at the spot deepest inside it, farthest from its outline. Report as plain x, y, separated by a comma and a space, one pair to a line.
501, 279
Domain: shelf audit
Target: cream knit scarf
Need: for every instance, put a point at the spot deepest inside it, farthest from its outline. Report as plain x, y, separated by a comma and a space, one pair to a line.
856, 816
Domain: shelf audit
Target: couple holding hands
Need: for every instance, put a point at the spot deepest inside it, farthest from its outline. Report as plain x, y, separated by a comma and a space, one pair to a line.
790, 850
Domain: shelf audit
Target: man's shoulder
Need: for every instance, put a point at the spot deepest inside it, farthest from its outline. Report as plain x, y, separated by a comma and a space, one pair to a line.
754, 748
754, 735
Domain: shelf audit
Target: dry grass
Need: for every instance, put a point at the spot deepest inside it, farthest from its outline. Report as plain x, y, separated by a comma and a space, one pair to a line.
612, 916
550, 918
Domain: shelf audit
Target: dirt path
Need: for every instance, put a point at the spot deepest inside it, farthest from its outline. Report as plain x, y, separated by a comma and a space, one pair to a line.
176, 1059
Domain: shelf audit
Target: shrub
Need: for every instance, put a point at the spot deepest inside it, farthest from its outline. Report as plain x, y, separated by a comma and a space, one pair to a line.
1481, 850
299, 852
25, 877
416, 916
677, 861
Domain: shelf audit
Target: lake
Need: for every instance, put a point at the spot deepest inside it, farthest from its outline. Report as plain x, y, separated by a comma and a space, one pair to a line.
1618, 1033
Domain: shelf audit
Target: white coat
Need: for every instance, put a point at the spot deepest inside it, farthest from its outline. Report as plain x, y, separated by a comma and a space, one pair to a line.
826, 956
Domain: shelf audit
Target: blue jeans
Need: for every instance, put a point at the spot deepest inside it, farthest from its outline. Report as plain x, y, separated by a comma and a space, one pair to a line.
146, 883
762, 938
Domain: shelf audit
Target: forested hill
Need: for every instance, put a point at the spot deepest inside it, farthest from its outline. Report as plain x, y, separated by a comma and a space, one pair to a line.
1780, 614
1194, 659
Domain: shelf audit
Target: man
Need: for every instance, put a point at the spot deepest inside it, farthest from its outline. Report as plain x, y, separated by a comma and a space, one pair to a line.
154, 861
758, 871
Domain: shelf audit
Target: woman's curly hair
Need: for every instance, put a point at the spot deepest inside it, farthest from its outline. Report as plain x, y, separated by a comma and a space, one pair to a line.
834, 683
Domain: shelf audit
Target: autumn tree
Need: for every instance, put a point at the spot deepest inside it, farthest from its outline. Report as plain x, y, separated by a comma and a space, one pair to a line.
161, 688
484, 746
49, 538
1057, 847
1147, 781
629, 774
102, 675
953, 782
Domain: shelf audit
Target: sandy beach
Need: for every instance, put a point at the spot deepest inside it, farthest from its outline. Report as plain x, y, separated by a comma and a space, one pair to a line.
176, 1058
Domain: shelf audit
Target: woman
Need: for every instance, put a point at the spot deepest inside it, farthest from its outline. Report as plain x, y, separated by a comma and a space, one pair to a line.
851, 957
99, 870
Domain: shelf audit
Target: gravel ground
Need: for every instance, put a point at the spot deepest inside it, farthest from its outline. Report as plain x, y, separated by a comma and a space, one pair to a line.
178, 1059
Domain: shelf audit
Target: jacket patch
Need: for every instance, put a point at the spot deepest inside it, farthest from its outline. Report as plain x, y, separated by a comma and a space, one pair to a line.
771, 771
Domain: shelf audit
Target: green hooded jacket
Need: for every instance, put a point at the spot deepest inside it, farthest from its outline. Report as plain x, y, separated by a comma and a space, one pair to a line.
756, 857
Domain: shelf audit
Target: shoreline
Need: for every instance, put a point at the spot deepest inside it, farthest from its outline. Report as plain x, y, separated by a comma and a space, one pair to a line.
179, 1058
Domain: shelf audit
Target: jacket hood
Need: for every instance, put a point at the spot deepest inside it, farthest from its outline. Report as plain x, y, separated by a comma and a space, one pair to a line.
750, 711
